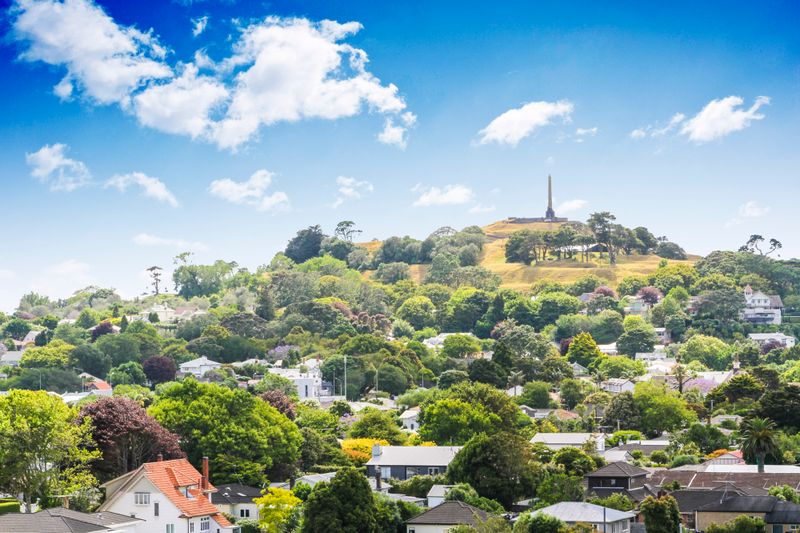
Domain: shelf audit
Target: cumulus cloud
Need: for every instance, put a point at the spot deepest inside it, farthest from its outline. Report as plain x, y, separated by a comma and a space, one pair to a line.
279, 70
52, 167
447, 195
350, 189
146, 239
516, 124
583, 132
658, 130
252, 192
104, 60
199, 25
639, 133
571, 206
151, 187
722, 117
480, 208
753, 209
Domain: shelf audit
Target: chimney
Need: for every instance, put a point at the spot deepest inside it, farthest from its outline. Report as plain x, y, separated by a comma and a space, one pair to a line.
376, 450
160, 457
378, 479
205, 474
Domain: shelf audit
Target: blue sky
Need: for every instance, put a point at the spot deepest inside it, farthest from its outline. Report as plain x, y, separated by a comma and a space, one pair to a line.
136, 130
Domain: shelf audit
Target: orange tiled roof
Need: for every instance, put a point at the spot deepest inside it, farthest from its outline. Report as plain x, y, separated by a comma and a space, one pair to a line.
99, 384
169, 476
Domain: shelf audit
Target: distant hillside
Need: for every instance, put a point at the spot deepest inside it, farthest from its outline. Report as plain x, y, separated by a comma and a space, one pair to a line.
518, 276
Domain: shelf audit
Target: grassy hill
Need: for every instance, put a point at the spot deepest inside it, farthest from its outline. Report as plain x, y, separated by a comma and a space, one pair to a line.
520, 277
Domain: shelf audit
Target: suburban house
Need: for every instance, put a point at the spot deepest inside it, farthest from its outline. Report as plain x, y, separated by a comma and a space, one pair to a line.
443, 517
617, 385
621, 478
760, 308
198, 367
95, 384
539, 414
663, 336
787, 341
780, 516
645, 446
599, 517
579, 370
170, 496
236, 500
403, 462
410, 419
556, 441
690, 500
437, 494
308, 383
11, 358
60, 520
743, 477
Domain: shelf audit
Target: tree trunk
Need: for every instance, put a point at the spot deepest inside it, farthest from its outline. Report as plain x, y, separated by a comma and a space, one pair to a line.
760, 457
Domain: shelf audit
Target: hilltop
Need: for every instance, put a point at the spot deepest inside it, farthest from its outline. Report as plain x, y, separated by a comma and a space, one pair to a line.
520, 277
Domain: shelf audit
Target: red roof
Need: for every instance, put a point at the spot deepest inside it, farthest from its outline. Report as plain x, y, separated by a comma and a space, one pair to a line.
169, 476
99, 384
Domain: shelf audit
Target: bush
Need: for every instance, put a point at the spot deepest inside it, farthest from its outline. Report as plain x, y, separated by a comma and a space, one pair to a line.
9, 505
680, 460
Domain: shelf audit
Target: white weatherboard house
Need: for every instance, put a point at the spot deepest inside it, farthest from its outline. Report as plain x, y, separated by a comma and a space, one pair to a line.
410, 419
780, 338
403, 462
760, 308
198, 367
600, 518
170, 496
309, 384
556, 441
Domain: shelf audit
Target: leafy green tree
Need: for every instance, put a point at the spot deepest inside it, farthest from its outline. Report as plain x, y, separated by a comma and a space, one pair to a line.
559, 487
244, 437
51, 379
758, 440
418, 311
548, 307
54, 355
130, 373
305, 245
637, 336
459, 346
617, 501
392, 272
740, 524
486, 371
535, 394
661, 409
573, 392
462, 492
496, 466
274, 509
345, 504
43, 451
711, 351
575, 461
375, 424
781, 405
619, 366
451, 421
742, 386
448, 378
87, 319
583, 350
785, 493
622, 412
707, 438
661, 515
392, 379
531, 522
120, 348
89, 359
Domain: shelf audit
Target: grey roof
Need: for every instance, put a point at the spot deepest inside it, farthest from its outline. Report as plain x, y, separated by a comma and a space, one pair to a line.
60, 520
742, 504
236, 493
689, 500
414, 456
11, 357
618, 469
450, 514
638, 494
783, 513
439, 491
585, 512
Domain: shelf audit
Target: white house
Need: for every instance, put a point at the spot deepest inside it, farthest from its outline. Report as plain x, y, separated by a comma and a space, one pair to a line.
170, 496
760, 308
444, 517
599, 517
617, 385
763, 338
437, 494
608, 349
403, 462
236, 500
556, 441
308, 383
410, 419
198, 367
11, 358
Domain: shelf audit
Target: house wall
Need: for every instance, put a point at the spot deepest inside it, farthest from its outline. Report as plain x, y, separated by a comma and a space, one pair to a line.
167, 512
428, 529
703, 519
251, 510
404, 472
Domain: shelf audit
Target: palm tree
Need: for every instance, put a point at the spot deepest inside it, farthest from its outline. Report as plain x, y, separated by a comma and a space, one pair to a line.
515, 378
758, 439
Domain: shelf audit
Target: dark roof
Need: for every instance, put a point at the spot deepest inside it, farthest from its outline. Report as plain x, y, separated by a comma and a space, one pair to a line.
450, 513
236, 493
618, 469
637, 495
742, 504
59, 520
689, 500
750, 482
783, 513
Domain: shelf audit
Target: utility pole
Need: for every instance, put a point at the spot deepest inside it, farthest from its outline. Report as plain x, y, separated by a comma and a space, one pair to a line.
345, 377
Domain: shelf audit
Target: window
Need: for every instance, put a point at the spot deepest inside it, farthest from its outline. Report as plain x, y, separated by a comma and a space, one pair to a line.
155, 509
141, 498
170, 528
386, 472
191, 527
433, 471
244, 513
205, 524
613, 481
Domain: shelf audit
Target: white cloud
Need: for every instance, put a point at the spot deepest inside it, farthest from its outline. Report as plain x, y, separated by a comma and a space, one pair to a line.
396, 134
252, 192
658, 131
753, 209
447, 195
516, 124
199, 25
571, 205
280, 70
293, 69
638, 133
583, 132
182, 106
50, 166
151, 187
722, 117
350, 189
480, 208
146, 239
105, 60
